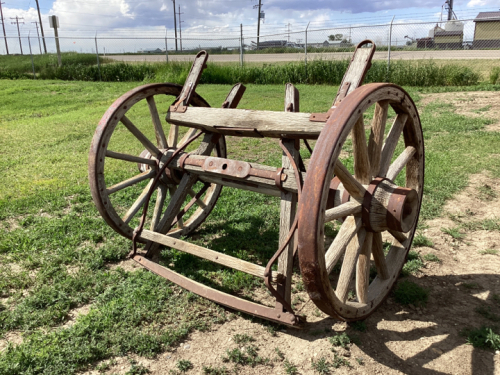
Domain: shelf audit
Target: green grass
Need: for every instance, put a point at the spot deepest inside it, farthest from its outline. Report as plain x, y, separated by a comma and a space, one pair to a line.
483, 337
63, 251
407, 292
420, 240
488, 252
83, 67
413, 264
183, 365
431, 258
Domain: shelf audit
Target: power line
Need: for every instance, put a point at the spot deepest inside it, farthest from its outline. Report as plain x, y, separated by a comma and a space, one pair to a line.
38, 35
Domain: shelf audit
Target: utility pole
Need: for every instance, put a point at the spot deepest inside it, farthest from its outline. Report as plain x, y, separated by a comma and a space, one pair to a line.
289, 32
450, 9
39, 44
175, 26
180, 27
18, 31
258, 21
3, 26
41, 26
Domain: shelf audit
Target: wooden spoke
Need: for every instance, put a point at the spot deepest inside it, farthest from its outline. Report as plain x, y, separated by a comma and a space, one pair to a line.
131, 181
391, 142
363, 269
180, 222
362, 169
379, 256
351, 256
199, 202
354, 188
350, 227
131, 158
377, 135
160, 201
346, 209
176, 201
140, 136
137, 204
191, 132
400, 162
173, 134
160, 135
401, 237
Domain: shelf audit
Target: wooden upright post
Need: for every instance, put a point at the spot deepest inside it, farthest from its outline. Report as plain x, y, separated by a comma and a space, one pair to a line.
54, 23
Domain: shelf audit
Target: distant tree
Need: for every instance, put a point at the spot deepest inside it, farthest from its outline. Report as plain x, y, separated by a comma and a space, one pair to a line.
332, 37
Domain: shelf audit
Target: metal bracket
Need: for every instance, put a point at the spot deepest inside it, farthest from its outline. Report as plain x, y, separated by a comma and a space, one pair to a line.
228, 167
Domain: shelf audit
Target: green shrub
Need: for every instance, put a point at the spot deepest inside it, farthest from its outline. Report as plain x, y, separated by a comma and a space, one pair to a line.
495, 75
407, 292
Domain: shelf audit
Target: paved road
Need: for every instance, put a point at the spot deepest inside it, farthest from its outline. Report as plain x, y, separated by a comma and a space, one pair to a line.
276, 57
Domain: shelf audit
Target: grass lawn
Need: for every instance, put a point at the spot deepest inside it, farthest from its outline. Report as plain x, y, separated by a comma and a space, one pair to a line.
57, 254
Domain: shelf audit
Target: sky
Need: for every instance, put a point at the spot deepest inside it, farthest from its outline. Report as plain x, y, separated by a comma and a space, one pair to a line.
222, 18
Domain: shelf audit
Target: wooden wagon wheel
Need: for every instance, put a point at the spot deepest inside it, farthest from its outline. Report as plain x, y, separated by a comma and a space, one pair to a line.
372, 208
127, 144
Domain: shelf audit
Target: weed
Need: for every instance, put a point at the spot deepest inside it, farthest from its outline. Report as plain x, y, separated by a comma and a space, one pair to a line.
250, 357
360, 361
339, 361
317, 313
184, 365
342, 340
483, 337
421, 240
495, 298
471, 285
359, 325
454, 233
486, 312
279, 353
242, 338
298, 287
486, 192
321, 366
407, 292
413, 264
431, 258
209, 370
495, 75
488, 252
290, 368
137, 369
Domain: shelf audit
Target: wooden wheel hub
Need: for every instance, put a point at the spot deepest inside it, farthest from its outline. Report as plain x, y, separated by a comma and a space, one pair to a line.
387, 206
170, 177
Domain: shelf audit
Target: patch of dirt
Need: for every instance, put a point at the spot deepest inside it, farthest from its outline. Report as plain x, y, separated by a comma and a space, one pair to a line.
398, 340
75, 313
12, 337
471, 104
127, 265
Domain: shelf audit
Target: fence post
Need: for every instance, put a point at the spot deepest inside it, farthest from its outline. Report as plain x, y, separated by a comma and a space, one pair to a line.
31, 54
305, 49
389, 49
97, 54
241, 45
166, 45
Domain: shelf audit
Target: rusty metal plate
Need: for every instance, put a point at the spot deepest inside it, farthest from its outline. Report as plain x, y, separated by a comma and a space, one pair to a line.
228, 167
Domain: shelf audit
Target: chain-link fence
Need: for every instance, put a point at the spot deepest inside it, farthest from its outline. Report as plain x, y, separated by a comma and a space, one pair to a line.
477, 38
